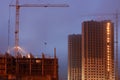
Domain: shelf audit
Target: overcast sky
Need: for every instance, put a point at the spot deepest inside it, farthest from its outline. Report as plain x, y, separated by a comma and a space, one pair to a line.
51, 25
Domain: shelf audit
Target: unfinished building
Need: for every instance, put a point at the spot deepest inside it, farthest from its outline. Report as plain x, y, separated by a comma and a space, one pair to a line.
28, 67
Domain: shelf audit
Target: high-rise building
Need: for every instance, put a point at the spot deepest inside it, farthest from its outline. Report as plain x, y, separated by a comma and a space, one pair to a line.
74, 57
98, 50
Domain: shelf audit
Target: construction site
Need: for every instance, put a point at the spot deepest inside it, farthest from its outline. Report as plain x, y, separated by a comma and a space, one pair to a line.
16, 66
28, 67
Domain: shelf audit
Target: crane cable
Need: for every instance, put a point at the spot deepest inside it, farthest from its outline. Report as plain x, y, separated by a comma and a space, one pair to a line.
8, 51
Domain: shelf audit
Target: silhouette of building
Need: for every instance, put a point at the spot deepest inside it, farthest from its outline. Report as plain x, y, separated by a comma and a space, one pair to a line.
28, 67
98, 50
74, 57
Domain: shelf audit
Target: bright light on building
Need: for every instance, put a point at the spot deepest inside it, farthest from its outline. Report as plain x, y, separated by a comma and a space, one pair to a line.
28, 55
108, 46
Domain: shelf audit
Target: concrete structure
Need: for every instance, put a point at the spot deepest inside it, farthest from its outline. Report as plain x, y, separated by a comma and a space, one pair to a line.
28, 68
98, 50
74, 57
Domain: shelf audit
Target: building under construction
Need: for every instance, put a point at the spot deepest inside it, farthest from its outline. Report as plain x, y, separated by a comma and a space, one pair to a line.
28, 67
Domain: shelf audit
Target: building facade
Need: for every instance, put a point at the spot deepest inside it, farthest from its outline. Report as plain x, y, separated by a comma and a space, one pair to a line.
74, 57
98, 50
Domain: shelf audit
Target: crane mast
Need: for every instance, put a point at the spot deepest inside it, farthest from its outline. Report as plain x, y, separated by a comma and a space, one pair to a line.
17, 6
17, 27
116, 70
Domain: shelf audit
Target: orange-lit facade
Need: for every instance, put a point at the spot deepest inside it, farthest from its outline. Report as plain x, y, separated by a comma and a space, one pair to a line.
28, 68
74, 57
98, 50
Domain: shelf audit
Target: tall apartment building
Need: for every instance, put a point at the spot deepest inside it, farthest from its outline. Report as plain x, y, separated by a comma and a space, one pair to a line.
74, 57
98, 50
28, 68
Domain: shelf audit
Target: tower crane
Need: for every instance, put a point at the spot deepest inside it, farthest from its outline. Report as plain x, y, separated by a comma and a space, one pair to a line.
17, 6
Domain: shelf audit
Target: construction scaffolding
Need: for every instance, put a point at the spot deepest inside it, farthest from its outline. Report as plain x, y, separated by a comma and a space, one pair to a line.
28, 68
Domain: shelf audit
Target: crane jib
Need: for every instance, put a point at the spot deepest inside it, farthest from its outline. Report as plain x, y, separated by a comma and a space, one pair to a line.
41, 5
